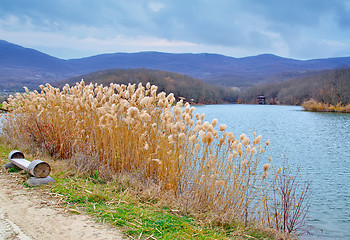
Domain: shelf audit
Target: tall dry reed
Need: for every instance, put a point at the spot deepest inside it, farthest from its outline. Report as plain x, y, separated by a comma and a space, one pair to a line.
134, 129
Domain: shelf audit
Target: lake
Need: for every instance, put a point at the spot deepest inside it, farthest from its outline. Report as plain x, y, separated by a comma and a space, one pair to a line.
317, 143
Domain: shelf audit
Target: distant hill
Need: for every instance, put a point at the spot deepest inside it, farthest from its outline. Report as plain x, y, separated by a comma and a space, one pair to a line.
214, 68
181, 85
14, 55
21, 66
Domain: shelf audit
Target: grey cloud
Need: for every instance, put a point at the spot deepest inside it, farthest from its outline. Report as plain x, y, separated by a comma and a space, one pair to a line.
306, 12
205, 22
77, 12
229, 23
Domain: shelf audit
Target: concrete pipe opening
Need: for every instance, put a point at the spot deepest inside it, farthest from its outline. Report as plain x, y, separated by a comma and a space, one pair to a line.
39, 169
15, 154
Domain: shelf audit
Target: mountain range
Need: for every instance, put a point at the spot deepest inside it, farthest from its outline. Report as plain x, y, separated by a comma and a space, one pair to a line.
20, 66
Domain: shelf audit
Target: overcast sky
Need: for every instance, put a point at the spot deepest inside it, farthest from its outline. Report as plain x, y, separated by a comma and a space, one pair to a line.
301, 29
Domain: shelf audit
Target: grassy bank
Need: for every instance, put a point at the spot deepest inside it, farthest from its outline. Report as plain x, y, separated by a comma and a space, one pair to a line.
124, 205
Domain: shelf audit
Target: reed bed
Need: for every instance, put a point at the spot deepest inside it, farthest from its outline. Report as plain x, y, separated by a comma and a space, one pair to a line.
315, 106
136, 130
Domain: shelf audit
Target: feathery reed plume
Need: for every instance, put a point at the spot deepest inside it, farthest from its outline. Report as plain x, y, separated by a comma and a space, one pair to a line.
132, 129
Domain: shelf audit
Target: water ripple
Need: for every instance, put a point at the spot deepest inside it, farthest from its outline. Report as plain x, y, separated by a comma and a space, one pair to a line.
316, 143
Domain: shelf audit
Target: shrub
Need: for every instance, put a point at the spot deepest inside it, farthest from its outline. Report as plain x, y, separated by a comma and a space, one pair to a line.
316, 106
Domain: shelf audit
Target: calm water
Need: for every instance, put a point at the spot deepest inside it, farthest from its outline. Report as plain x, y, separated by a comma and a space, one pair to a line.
317, 143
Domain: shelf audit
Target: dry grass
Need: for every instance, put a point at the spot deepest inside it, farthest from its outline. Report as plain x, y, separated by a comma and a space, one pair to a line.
128, 129
315, 106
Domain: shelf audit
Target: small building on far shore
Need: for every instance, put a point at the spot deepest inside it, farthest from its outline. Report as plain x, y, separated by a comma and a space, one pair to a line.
261, 100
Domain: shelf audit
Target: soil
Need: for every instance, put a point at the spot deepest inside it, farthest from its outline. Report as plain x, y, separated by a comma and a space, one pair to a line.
35, 214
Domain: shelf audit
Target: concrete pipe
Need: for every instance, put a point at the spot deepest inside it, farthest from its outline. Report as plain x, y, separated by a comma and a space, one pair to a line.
37, 168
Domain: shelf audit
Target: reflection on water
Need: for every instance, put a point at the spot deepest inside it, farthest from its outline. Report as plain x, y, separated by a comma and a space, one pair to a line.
317, 143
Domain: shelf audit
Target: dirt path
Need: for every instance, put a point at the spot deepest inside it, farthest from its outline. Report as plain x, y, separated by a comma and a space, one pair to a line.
27, 214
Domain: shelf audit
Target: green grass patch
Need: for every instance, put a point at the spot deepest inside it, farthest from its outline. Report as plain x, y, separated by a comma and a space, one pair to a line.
134, 217
118, 205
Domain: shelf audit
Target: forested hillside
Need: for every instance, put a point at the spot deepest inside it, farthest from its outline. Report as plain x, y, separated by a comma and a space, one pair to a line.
330, 87
181, 85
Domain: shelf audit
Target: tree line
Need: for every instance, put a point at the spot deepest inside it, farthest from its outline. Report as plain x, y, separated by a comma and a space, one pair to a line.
193, 90
328, 86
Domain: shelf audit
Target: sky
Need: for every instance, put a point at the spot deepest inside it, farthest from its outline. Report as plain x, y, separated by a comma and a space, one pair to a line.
299, 29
